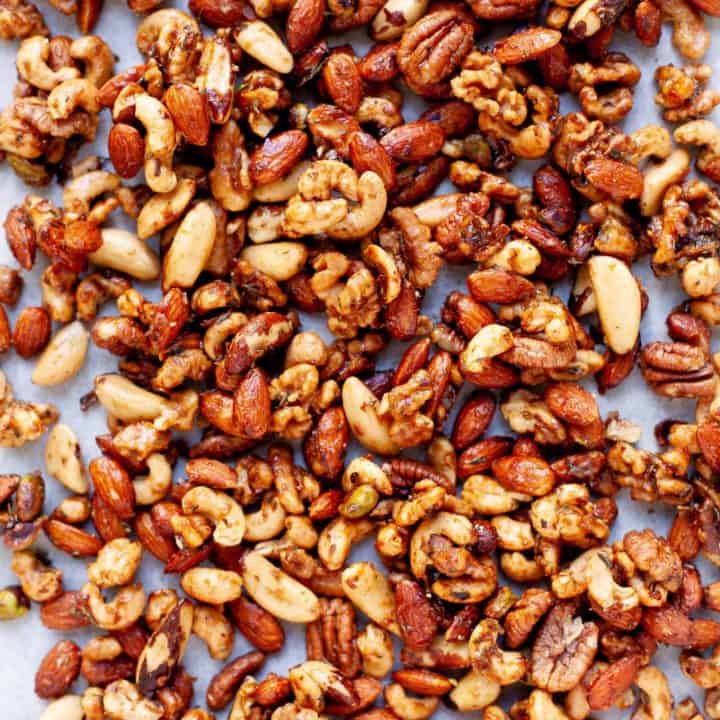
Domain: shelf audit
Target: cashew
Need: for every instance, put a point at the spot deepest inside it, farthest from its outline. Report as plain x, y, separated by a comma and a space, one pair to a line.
277, 592
154, 486
650, 141
32, 64
121, 613
474, 691
172, 19
360, 406
267, 522
690, 36
68, 707
435, 210
656, 699
306, 347
212, 585
705, 134
211, 626
266, 223
366, 216
124, 251
313, 679
71, 95
63, 461
123, 701
337, 538
363, 471
456, 528
604, 591
283, 189
96, 56
83, 189
658, 178
39, 582
63, 356
407, 708
219, 508
618, 299
280, 260
368, 589
163, 209
376, 648
116, 563
387, 269
502, 666
261, 42
191, 247
542, 707
160, 143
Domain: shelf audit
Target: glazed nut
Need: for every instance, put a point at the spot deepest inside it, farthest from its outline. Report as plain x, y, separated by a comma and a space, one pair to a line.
221, 509
212, 585
116, 563
261, 42
126, 252
489, 342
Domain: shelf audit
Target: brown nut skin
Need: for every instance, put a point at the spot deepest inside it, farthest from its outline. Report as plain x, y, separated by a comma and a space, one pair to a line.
58, 670
20, 235
531, 475
647, 23
496, 285
380, 64
304, 24
610, 683
272, 691
113, 484
277, 156
413, 142
325, 447
422, 681
473, 420
259, 627
32, 331
252, 406
218, 13
342, 81
126, 148
479, 457
67, 612
223, 685
189, 110
366, 153
416, 616
5, 331
73, 540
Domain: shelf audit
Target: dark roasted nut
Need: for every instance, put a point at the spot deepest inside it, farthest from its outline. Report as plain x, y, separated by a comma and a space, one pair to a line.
58, 670
32, 331
223, 685
257, 625
416, 616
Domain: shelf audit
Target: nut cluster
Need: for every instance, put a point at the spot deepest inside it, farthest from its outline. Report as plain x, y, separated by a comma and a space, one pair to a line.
496, 565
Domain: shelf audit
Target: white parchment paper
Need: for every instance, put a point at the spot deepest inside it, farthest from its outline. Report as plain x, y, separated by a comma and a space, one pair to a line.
24, 642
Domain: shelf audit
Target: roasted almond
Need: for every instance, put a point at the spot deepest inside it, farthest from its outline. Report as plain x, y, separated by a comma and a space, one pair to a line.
479, 457
526, 45
413, 142
113, 484
126, 148
58, 670
218, 13
619, 180
422, 682
213, 473
304, 23
32, 331
366, 153
324, 448
157, 544
496, 285
277, 156
473, 420
259, 627
67, 612
415, 615
72, 540
251, 405
189, 111
272, 691
20, 235
342, 81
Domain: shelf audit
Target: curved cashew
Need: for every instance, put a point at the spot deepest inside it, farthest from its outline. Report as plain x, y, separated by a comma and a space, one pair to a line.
150, 28
313, 679
363, 219
705, 134
389, 275
409, 708
261, 42
116, 563
221, 509
690, 36
659, 178
650, 141
369, 590
337, 538
605, 592
363, 471
96, 56
160, 142
211, 626
82, 190
39, 581
70, 95
656, 697
121, 613
267, 522
154, 486
277, 592
32, 66
502, 666
541, 707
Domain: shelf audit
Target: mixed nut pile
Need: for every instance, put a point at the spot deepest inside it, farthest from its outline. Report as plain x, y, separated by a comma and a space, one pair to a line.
282, 180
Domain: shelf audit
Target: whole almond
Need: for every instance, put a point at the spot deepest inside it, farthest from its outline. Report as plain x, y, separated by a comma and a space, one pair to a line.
325, 446
609, 684
218, 13
473, 420
272, 690
415, 615
103, 672
422, 682
67, 612
5, 332
343, 82
380, 64
325, 505
126, 148
58, 670
252, 406
20, 234
32, 331
277, 156
113, 484
304, 23
189, 111
496, 285
213, 473
526, 45
366, 153
479, 457
152, 540
72, 540
619, 180
529, 475
259, 627
413, 142
108, 524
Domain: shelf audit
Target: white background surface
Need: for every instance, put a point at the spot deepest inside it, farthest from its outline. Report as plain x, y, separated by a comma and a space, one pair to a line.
24, 642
